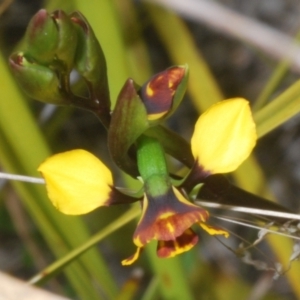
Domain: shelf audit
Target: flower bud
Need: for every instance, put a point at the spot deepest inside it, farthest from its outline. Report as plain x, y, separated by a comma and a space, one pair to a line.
162, 93
67, 38
51, 39
41, 37
37, 81
90, 60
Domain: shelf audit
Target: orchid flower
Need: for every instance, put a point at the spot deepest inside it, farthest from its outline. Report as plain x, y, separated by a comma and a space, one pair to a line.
77, 182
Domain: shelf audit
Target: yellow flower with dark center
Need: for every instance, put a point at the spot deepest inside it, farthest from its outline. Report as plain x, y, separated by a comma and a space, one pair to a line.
168, 219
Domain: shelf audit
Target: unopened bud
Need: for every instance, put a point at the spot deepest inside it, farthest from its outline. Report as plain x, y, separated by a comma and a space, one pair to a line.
51, 39
41, 37
37, 81
90, 60
162, 93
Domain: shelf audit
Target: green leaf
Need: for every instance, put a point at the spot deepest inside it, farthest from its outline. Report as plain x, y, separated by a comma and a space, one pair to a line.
281, 109
61, 263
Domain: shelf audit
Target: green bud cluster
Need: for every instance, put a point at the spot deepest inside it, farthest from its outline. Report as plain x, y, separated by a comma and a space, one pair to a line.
55, 44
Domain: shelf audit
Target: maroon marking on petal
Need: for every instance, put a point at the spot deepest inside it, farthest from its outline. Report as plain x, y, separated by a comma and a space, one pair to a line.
166, 218
216, 187
117, 197
181, 244
197, 175
157, 93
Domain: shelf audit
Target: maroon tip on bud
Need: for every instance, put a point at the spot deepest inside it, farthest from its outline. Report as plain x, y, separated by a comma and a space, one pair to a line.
157, 93
16, 60
37, 23
78, 19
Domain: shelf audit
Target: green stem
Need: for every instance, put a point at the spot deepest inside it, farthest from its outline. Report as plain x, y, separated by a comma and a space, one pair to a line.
152, 166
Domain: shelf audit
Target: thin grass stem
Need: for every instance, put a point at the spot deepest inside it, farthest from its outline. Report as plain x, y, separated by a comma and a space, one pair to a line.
21, 178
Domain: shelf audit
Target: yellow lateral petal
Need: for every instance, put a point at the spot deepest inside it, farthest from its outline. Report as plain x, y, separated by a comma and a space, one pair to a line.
224, 136
77, 182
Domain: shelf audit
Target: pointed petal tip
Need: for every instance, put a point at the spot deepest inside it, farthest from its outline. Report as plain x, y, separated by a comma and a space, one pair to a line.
131, 259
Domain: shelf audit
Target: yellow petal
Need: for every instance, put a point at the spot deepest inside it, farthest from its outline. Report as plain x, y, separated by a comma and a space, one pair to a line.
77, 182
224, 136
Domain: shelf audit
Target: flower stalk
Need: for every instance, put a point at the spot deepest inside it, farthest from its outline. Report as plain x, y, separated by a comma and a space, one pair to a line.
152, 166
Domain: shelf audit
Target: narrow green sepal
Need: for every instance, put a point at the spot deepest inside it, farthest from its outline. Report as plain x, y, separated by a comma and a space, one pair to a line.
163, 93
180, 90
128, 122
37, 81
